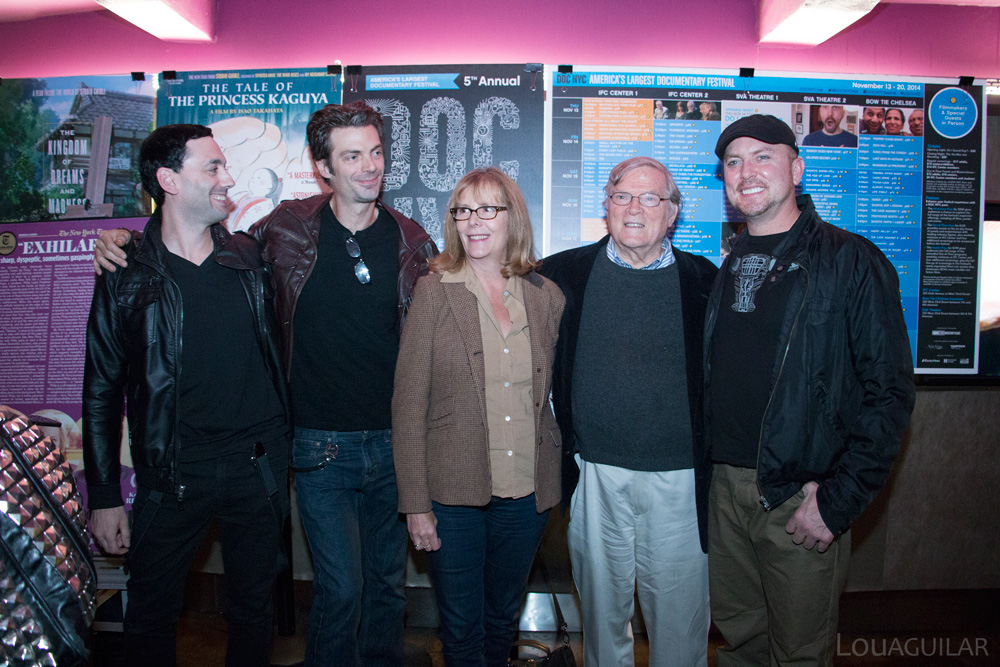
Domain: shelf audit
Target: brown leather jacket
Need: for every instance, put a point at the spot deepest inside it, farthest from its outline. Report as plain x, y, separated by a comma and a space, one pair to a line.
290, 236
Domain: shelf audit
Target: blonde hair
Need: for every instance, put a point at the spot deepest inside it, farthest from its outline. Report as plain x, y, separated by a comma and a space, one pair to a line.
487, 183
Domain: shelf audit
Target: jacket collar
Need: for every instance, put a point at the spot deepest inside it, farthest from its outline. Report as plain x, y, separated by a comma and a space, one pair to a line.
151, 247
311, 208
794, 242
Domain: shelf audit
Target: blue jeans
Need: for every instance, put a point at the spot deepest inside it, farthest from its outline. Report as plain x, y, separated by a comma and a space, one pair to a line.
346, 487
480, 573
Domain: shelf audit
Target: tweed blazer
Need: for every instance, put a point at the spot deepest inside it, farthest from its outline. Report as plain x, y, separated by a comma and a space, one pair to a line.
440, 437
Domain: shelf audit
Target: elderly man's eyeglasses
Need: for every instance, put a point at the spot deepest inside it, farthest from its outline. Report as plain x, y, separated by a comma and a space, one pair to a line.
360, 269
647, 199
483, 212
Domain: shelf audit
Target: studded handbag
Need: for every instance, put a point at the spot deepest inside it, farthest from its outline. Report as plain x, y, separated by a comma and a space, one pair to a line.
48, 585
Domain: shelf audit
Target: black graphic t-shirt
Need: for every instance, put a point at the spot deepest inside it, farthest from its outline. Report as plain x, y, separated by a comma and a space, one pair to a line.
744, 347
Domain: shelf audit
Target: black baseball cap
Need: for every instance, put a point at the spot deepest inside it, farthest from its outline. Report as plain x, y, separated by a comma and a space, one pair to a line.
766, 128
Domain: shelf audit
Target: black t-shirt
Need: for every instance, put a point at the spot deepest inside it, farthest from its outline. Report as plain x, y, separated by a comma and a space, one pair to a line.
346, 334
744, 344
227, 400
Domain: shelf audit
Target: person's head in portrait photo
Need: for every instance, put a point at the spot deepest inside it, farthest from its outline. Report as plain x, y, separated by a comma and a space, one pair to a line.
830, 115
659, 111
895, 121
916, 122
872, 119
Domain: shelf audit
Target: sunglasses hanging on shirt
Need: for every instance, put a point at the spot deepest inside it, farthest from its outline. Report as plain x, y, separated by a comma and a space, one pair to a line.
360, 269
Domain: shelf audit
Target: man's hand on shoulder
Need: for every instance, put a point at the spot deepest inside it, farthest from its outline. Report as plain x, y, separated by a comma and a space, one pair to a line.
110, 530
108, 250
807, 526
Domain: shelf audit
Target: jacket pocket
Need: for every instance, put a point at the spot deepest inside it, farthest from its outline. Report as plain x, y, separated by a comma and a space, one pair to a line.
138, 306
439, 411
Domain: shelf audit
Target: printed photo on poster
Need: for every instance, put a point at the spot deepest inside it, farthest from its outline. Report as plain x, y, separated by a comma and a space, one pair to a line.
71, 147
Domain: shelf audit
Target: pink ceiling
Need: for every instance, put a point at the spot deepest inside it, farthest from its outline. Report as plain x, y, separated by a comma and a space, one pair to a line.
20, 10
894, 39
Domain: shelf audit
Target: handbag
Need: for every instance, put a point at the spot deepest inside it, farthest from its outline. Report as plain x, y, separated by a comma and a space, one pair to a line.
48, 585
560, 656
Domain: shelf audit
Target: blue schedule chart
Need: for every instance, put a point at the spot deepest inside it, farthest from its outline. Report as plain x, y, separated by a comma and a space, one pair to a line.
913, 193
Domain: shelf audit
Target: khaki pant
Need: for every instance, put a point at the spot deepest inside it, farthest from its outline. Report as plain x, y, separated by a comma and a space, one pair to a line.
637, 532
776, 603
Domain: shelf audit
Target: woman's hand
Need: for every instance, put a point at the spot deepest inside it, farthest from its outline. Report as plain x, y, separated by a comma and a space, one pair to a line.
423, 531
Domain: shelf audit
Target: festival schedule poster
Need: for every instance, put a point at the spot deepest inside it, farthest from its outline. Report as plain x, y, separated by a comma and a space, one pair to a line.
258, 118
46, 284
442, 121
897, 161
70, 147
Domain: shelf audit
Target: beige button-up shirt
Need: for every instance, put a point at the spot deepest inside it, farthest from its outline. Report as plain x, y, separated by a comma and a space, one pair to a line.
507, 360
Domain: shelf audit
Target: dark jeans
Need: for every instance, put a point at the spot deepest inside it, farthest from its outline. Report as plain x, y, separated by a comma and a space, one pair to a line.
165, 536
480, 573
351, 518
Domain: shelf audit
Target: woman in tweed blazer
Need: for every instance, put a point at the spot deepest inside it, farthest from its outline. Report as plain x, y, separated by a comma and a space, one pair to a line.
475, 444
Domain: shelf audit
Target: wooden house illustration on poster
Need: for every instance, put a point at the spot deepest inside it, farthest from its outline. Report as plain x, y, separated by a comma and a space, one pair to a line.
97, 147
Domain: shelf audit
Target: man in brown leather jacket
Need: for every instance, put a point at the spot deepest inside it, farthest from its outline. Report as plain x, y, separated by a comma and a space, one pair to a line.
343, 268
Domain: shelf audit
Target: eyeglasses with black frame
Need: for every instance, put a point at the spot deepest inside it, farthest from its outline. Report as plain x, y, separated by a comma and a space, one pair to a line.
647, 199
461, 213
360, 269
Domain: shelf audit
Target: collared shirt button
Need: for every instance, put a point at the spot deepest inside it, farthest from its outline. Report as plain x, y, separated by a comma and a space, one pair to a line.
506, 351
510, 452
507, 418
506, 384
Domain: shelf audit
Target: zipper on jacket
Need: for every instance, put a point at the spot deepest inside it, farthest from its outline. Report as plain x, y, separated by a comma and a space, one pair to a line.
174, 469
781, 369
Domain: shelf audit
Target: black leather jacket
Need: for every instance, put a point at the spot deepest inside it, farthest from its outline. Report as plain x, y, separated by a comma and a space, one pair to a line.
133, 348
290, 237
841, 389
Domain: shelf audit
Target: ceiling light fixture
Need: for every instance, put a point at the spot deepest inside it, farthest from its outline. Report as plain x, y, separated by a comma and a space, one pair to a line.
170, 20
808, 22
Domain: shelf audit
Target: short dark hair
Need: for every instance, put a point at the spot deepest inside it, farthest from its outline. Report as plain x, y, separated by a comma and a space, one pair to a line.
166, 147
897, 110
332, 116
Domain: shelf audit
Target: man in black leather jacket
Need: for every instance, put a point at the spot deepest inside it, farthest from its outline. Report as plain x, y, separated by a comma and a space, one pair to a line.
344, 266
809, 388
185, 334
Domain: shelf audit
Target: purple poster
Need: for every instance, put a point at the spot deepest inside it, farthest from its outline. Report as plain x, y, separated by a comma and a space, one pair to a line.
46, 283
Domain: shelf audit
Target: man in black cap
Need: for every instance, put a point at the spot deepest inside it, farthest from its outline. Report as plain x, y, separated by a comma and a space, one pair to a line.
809, 388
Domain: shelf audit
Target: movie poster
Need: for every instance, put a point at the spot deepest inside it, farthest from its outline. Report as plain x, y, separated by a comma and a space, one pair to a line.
46, 282
70, 147
444, 120
258, 118
897, 161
